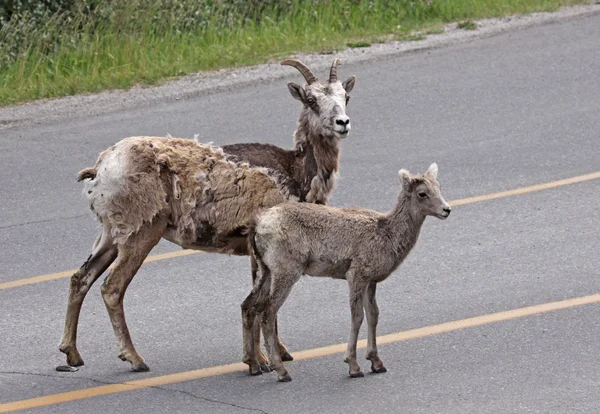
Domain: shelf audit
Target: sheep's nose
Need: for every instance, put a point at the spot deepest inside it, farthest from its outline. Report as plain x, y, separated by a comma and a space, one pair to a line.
447, 210
342, 120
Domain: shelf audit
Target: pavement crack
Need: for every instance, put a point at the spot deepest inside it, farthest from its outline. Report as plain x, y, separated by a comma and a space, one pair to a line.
10, 226
57, 376
210, 399
147, 387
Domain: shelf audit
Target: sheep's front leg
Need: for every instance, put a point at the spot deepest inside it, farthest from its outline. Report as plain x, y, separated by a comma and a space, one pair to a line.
357, 291
372, 311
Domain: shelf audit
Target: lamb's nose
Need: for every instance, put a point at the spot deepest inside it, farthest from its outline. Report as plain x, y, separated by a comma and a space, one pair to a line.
447, 209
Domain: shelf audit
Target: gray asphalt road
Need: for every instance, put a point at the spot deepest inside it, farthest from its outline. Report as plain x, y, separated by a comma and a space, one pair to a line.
500, 113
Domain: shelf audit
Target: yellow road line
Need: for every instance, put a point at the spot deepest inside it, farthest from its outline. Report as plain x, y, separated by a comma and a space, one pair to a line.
298, 356
463, 201
69, 273
525, 190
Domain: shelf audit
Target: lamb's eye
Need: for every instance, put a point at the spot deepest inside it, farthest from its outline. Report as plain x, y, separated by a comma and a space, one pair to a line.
422, 195
311, 101
347, 99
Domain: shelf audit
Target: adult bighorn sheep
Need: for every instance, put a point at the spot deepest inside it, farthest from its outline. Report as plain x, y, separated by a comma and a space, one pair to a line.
362, 246
200, 197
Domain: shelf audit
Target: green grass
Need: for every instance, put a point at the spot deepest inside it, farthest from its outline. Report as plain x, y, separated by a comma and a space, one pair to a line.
138, 44
360, 43
467, 25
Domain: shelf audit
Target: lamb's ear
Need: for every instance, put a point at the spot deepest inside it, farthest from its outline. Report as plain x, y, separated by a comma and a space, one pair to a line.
405, 179
432, 171
297, 91
348, 84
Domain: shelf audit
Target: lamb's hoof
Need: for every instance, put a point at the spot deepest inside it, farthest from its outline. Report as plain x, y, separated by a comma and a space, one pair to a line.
379, 370
285, 378
358, 374
140, 367
265, 368
255, 370
66, 368
286, 357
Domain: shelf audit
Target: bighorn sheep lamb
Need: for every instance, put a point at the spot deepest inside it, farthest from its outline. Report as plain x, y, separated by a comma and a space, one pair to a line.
362, 246
200, 197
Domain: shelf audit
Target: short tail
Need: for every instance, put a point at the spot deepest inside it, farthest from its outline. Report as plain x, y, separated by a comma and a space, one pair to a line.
264, 274
86, 173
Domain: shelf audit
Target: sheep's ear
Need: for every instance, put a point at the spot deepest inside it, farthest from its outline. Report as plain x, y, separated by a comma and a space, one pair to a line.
405, 179
432, 171
348, 84
297, 91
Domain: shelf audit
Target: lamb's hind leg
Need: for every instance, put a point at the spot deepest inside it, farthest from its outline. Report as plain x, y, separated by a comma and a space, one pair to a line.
283, 351
255, 329
131, 256
280, 289
253, 356
357, 292
261, 357
103, 254
372, 311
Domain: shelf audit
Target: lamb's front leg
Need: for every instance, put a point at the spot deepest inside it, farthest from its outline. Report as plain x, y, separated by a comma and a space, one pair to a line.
357, 291
372, 311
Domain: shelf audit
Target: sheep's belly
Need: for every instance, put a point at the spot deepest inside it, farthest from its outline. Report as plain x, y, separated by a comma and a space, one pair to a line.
235, 243
328, 268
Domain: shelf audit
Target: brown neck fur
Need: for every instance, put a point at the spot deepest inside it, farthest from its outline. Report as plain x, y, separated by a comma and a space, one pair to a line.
402, 225
318, 157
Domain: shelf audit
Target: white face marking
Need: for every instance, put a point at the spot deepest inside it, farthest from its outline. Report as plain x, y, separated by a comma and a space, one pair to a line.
328, 113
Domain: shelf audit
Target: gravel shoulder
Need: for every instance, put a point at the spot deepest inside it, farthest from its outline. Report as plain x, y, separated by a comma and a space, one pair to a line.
78, 106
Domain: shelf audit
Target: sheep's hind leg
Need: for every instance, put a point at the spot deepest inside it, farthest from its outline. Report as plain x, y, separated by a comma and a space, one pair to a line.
357, 292
103, 254
131, 256
372, 311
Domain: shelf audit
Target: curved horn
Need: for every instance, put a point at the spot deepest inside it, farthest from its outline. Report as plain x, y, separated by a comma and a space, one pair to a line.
304, 70
333, 71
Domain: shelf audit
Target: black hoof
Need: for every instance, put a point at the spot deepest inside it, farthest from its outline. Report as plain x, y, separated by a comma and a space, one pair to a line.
66, 368
287, 357
358, 374
285, 378
141, 367
378, 370
265, 368
257, 372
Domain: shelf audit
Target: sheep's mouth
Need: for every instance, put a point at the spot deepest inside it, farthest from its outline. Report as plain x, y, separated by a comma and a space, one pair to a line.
342, 134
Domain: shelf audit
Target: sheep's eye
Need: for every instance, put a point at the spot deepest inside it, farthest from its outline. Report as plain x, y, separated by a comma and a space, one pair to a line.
422, 195
347, 99
310, 101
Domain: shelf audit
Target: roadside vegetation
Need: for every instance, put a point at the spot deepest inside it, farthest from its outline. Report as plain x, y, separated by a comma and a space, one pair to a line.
52, 48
